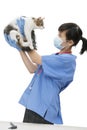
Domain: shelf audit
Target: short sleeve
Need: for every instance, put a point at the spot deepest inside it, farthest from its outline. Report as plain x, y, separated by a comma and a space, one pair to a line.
53, 66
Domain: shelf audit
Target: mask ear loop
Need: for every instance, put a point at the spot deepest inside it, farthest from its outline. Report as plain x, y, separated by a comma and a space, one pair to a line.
66, 45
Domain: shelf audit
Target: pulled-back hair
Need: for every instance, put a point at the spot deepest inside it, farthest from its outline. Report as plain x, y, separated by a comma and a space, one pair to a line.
74, 32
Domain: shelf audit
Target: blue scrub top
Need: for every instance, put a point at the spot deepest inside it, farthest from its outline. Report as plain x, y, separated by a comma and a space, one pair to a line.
52, 77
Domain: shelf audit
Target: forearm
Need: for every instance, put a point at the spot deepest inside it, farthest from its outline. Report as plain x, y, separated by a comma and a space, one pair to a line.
36, 58
28, 62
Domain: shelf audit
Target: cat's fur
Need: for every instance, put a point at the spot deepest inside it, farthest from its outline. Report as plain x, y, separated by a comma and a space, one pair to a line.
28, 41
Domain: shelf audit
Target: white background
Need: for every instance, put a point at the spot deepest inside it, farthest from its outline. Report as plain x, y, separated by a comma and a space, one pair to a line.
14, 77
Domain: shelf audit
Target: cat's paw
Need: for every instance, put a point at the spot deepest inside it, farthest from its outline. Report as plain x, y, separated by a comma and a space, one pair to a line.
31, 47
18, 37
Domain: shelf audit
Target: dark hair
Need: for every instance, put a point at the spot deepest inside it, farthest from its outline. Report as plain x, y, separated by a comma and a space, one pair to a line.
74, 32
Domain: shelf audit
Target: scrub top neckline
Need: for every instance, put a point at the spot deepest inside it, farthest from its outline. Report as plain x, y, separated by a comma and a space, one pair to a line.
69, 52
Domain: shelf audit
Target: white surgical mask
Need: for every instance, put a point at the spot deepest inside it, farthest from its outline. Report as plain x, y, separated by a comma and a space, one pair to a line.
58, 42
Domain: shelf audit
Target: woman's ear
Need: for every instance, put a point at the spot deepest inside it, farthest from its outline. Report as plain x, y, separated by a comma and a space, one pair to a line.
71, 42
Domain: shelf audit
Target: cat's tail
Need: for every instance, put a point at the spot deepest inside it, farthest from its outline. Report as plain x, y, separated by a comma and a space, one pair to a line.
9, 28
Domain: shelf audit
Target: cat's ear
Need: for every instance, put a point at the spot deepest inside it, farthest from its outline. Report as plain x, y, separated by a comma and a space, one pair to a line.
33, 18
40, 18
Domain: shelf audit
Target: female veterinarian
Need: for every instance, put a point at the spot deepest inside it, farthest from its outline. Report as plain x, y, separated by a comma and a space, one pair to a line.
52, 74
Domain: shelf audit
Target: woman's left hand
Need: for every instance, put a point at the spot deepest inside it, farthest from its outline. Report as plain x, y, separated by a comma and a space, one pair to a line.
12, 42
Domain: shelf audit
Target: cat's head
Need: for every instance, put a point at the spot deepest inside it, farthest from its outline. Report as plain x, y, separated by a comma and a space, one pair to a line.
39, 23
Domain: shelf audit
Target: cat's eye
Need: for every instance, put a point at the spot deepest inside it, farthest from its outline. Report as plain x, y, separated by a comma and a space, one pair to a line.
41, 24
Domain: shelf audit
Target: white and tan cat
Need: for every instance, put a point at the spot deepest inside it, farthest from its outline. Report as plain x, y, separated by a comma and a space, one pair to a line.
22, 31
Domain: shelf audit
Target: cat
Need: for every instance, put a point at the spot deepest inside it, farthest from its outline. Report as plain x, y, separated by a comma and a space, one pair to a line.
22, 31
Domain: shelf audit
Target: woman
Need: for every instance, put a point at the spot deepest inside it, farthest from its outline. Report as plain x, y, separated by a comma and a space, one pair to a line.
53, 73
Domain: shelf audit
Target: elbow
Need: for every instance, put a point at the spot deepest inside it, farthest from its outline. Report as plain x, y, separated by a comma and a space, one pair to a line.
31, 71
